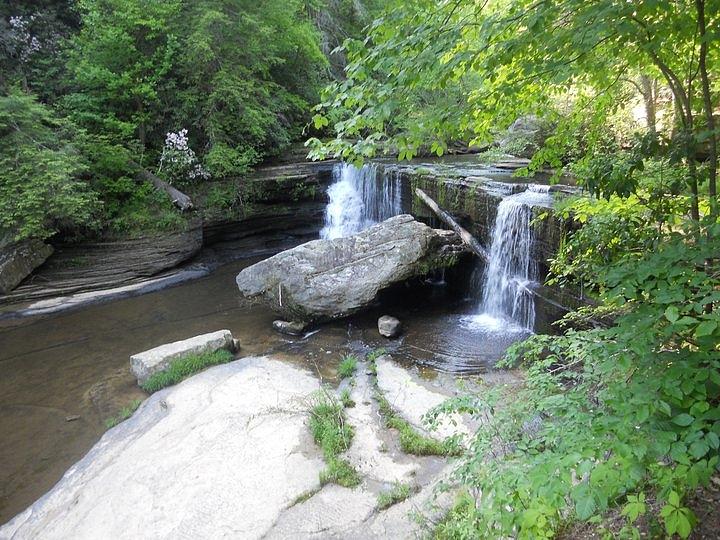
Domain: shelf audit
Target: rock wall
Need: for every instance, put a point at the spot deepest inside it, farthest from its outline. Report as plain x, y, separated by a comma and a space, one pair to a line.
473, 201
285, 208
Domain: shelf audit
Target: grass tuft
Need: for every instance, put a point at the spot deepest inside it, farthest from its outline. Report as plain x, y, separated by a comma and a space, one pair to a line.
340, 472
124, 414
347, 366
375, 354
346, 400
184, 367
333, 435
397, 494
411, 440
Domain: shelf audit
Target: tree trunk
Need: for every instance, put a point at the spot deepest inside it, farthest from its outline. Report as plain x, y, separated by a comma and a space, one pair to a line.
178, 198
468, 239
708, 107
649, 97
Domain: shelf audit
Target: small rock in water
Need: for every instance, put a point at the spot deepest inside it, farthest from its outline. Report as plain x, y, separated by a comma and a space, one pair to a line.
389, 326
146, 363
292, 328
72, 418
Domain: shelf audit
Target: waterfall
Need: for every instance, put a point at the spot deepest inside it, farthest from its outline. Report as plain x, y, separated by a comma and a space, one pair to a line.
359, 198
507, 302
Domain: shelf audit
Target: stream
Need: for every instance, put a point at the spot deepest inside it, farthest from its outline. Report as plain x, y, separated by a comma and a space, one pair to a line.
64, 375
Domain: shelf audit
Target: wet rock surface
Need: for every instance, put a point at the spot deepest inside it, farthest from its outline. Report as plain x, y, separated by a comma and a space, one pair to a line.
389, 327
329, 279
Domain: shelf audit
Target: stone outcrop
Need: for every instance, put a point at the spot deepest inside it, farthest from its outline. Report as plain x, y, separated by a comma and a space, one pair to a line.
525, 136
221, 455
18, 260
101, 265
329, 279
146, 363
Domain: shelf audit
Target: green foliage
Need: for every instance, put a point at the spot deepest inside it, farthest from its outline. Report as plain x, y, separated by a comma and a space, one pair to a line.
124, 414
120, 65
398, 493
40, 189
185, 367
347, 366
345, 399
340, 472
375, 354
333, 435
608, 414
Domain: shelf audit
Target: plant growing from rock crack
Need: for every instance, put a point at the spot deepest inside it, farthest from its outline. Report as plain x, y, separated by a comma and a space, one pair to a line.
183, 368
347, 366
333, 435
398, 493
124, 414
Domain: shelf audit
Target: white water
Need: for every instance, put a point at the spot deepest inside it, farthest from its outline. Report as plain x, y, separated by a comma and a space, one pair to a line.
360, 198
507, 303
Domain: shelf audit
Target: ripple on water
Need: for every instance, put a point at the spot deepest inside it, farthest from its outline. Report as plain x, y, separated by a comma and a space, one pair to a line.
459, 343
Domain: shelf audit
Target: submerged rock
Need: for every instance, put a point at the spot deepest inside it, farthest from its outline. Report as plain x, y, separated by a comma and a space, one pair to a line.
389, 327
18, 260
329, 279
291, 328
147, 363
221, 455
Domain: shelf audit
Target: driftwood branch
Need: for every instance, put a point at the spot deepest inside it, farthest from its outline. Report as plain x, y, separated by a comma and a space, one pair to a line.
178, 198
468, 239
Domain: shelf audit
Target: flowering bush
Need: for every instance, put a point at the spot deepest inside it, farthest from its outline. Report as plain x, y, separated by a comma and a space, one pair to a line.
20, 38
178, 161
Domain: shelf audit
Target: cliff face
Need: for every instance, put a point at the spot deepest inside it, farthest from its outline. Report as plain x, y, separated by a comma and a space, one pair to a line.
284, 207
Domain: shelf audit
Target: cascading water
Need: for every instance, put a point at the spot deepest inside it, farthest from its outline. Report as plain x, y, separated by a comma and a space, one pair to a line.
359, 198
507, 302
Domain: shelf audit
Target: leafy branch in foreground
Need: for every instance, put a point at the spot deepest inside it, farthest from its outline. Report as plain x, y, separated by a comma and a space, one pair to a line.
610, 417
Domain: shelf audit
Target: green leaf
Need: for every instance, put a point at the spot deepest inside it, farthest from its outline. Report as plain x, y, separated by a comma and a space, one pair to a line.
683, 420
672, 314
705, 328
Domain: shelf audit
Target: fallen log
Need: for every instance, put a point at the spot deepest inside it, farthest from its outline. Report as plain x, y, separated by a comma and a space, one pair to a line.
468, 239
178, 198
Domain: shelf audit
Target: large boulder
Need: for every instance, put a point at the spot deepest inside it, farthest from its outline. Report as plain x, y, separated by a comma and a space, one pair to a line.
525, 136
19, 259
328, 279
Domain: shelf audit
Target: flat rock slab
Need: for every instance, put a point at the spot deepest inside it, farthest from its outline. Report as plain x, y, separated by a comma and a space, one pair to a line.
328, 279
366, 452
331, 513
412, 400
221, 455
147, 363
